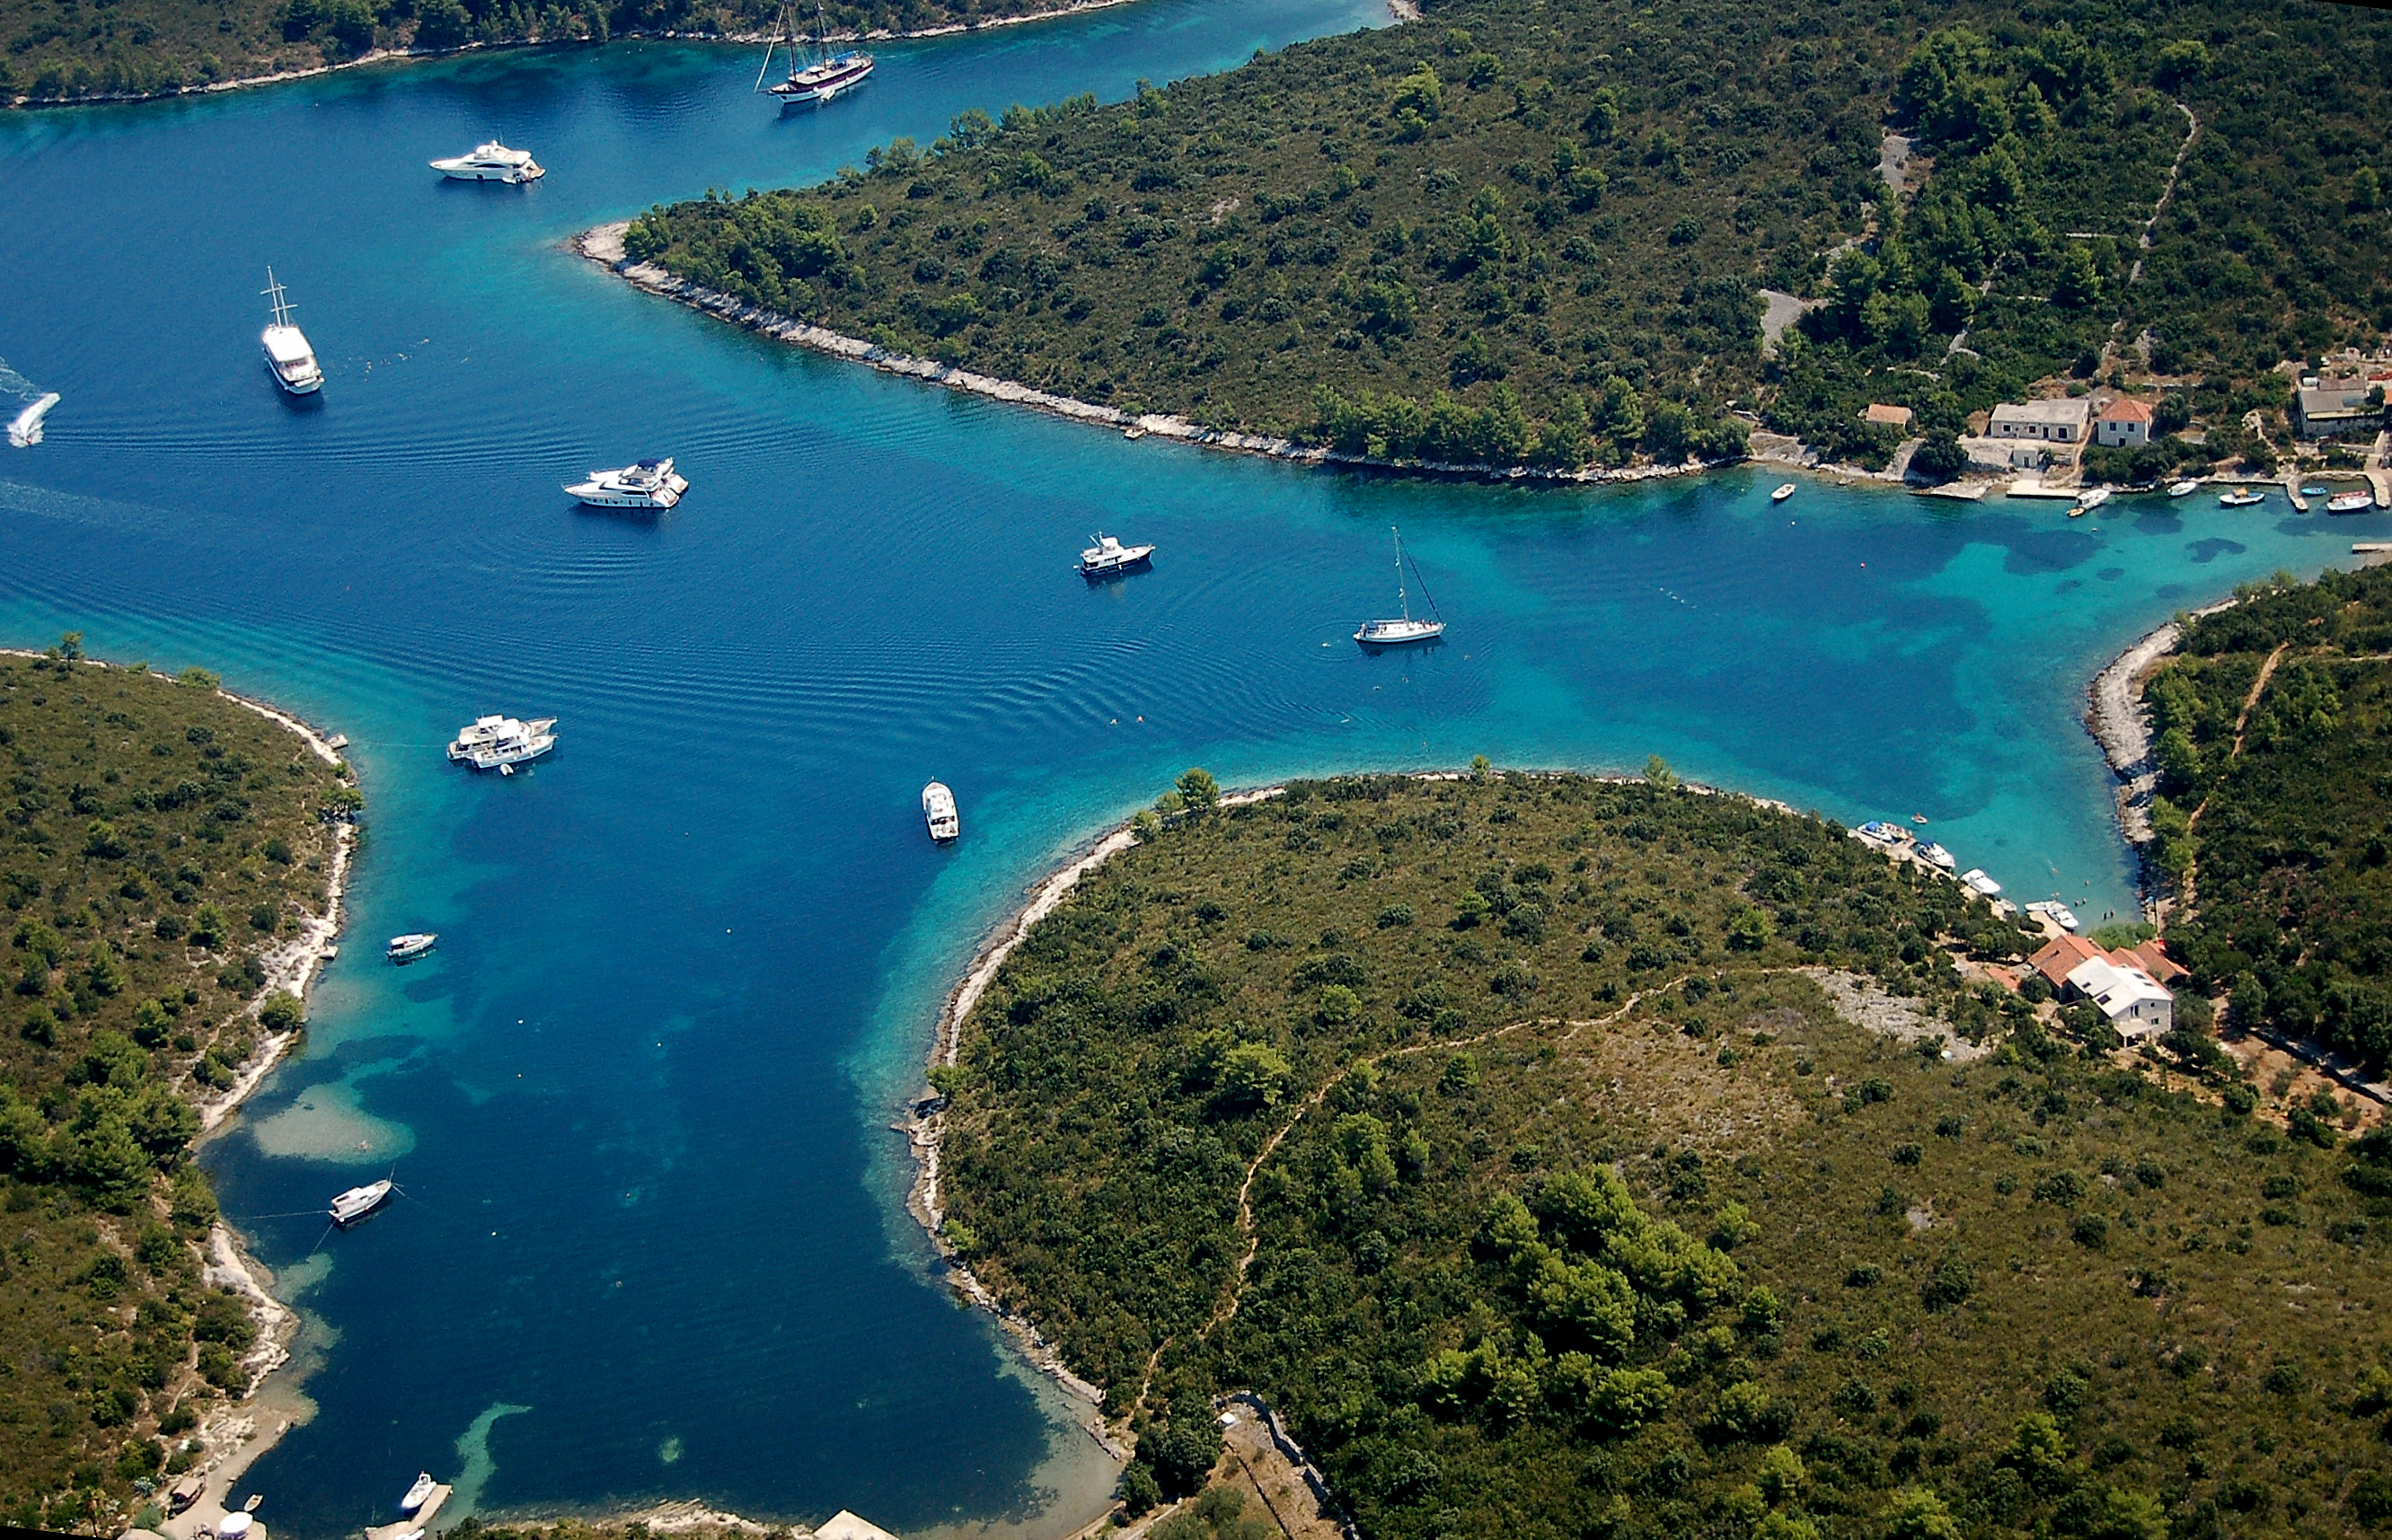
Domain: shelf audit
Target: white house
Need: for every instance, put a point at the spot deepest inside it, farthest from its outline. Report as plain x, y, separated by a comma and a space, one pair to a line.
2129, 997
2060, 421
2124, 424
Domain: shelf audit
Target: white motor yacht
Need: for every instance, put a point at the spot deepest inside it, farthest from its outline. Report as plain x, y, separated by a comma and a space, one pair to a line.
491, 162
1110, 557
1975, 881
423, 1488
2092, 497
502, 742
1391, 633
1936, 856
2057, 912
287, 352
357, 1202
408, 947
939, 812
648, 484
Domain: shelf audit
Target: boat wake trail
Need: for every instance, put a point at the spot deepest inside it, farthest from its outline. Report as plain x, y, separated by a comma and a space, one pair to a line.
25, 427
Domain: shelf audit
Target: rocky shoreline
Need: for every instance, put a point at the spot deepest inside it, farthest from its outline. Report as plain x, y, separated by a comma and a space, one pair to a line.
2115, 716
604, 245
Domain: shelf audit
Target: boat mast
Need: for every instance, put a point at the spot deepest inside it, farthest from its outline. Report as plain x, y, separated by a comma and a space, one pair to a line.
780, 30
1403, 602
282, 307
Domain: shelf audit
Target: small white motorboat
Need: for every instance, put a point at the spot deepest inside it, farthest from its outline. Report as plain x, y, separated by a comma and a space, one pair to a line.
25, 428
357, 1202
1936, 856
1782, 493
1882, 831
647, 483
2092, 497
2183, 489
1975, 881
408, 947
2241, 497
491, 162
939, 812
1110, 557
2350, 502
2057, 912
424, 1487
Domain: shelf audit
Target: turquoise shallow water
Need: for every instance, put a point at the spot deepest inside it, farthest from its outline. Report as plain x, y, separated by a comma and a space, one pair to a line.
637, 1098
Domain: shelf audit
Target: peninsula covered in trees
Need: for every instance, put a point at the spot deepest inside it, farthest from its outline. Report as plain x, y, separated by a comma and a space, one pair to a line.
158, 842
1567, 1157
1543, 233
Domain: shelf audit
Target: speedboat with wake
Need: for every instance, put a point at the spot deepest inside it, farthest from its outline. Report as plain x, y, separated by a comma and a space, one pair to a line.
1392, 633
25, 428
647, 483
491, 162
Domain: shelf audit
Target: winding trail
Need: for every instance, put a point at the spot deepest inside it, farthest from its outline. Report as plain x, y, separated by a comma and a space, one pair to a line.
2242, 724
2168, 194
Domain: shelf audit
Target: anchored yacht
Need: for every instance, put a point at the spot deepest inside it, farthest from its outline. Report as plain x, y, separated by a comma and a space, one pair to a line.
408, 947
1390, 633
1110, 557
816, 80
491, 162
502, 742
287, 352
939, 812
649, 483
357, 1202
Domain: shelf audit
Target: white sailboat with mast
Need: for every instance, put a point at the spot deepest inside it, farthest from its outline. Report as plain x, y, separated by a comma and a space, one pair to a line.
1390, 633
815, 80
287, 351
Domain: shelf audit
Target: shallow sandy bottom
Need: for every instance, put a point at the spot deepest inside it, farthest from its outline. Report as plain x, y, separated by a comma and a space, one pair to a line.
326, 1124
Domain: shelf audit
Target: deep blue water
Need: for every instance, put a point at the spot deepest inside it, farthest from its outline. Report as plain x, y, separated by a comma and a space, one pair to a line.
652, 1245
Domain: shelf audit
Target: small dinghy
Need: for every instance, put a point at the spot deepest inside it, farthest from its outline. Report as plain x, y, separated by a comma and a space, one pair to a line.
1782, 493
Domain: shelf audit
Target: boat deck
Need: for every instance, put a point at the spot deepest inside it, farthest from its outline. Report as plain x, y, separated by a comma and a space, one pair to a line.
423, 1519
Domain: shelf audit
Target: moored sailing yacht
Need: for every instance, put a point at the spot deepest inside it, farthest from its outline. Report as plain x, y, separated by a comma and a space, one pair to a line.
357, 1202
1389, 633
287, 352
812, 83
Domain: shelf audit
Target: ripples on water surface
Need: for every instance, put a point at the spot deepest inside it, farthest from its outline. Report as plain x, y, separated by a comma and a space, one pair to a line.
686, 966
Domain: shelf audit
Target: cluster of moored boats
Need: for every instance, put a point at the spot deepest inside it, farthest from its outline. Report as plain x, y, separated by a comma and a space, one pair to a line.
1897, 840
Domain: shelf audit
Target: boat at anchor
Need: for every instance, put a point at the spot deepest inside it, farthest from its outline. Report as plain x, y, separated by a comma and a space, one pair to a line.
815, 80
502, 742
1391, 633
939, 812
1110, 557
288, 352
491, 162
408, 947
647, 483
353, 1205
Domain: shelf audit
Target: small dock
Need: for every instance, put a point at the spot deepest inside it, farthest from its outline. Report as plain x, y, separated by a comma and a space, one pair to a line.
2382, 482
421, 1522
2293, 495
2025, 488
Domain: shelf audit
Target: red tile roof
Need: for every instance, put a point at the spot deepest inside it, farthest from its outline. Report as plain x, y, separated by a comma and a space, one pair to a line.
2127, 409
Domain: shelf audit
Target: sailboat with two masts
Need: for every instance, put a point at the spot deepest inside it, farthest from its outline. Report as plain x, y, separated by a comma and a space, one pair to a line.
816, 79
1391, 633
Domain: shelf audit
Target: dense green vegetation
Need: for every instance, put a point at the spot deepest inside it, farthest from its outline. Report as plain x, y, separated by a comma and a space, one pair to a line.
158, 837
2289, 853
1533, 1260
1534, 231
56, 50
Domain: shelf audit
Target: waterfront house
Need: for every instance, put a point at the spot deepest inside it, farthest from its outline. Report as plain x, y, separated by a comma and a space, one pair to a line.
2131, 999
2124, 424
1879, 415
2330, 409
2005, 454
2060, 421
2060, 954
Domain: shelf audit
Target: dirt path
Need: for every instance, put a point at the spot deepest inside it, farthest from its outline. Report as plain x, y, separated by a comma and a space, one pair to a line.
2143, 244
2242, 725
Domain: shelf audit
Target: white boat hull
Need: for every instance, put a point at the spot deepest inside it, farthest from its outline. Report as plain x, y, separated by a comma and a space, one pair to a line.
488, 174
1395, 633
25, 431
939, 813
357, 1202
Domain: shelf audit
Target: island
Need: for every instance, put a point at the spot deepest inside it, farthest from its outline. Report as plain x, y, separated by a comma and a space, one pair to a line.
1559, 1155
1609, 238
172, 859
